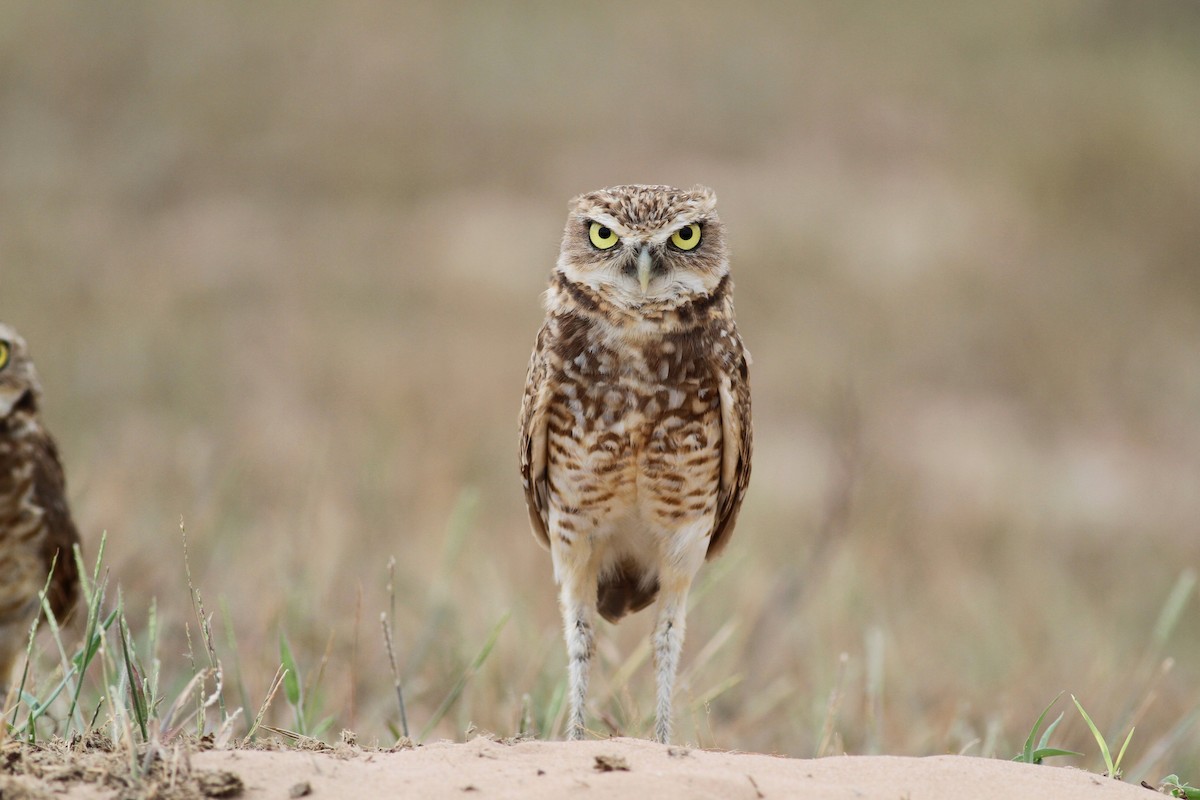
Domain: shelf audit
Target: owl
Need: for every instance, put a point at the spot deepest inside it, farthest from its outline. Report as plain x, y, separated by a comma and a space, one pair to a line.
635, 426
35, 524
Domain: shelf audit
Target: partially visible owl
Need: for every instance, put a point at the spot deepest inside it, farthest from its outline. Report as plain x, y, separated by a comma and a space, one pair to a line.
35, 523
635, 427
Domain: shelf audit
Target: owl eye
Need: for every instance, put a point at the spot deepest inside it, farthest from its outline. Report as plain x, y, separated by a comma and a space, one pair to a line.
5, 350
604, 238
687, 237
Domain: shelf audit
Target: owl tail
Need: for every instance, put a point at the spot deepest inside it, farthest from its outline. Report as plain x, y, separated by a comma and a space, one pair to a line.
624, 591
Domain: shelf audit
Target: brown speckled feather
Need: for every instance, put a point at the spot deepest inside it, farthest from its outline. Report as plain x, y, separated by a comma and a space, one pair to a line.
635, 425
50, 493
533, 440
737, 441
36, 530
702, 347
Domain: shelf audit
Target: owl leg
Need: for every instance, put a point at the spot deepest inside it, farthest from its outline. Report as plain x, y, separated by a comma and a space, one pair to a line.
578, 601
680, 560
577, 574
668, 644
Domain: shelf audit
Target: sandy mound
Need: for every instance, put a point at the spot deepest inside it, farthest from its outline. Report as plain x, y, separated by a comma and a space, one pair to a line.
627, 768
618, 768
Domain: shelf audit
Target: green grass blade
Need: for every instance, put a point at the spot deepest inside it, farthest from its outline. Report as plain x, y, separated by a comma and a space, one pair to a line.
231, 641
291, 682
553, 709
1165, 744
1045, 740
462, 516
322, 726
1047, 752
1168, 618
1121, 754
1178, 788
88, 653
716, 691
468, 673
94, 633
1027, 753
137, 693
29, 645
438, 617
1108, 762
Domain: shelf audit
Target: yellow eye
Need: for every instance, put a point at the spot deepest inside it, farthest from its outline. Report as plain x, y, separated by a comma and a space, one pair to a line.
686, 238
604, 238
4, 351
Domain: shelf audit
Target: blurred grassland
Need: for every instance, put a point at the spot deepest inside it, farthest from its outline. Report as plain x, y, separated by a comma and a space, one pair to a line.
279, 265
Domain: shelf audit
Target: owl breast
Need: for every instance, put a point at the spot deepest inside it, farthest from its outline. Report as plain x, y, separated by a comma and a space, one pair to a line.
634, 440
35, 526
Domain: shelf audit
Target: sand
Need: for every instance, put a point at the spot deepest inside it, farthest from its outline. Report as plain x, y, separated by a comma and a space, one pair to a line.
483, 768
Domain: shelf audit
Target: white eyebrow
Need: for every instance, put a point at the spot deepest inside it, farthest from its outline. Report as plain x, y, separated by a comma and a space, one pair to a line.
679, 223
608, 221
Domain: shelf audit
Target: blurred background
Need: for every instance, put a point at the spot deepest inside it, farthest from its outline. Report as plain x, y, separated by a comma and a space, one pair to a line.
280, 268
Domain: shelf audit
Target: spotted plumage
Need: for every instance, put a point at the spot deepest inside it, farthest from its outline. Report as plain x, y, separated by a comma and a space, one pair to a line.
35, 522
635, 426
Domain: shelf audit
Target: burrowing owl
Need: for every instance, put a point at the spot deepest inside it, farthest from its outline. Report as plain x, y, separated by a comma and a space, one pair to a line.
635, 426
35, 523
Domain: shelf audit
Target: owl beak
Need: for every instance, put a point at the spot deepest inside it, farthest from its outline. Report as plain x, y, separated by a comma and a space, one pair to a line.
10, 398
644, 268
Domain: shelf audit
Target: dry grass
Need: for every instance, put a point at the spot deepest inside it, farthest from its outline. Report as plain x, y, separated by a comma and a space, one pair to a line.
279, 266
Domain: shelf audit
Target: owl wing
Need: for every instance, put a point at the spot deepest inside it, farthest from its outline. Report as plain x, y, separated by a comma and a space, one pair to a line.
737, 441
59, 533
535, 438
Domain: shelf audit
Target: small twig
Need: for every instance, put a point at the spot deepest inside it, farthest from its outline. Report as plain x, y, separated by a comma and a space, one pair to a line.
358, 604
262, 711
167, 726
387, 637
225, 734
387, 640
204, 619
828, 727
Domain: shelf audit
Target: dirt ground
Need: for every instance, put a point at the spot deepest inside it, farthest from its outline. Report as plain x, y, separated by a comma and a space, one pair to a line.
530, 769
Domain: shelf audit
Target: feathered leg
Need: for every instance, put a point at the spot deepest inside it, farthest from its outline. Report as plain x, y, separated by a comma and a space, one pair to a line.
668, 644
578, 601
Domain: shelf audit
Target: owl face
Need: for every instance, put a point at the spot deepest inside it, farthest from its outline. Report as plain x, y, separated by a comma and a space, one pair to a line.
639, 246
18, 380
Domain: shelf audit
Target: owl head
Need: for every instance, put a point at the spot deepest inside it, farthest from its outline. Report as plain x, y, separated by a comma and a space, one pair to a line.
19, 385
645, 246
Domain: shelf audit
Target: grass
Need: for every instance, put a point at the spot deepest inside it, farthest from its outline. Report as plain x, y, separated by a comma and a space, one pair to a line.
385, 623
1036, 754
106, 673
1173, 786
293, 303
1112, 767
